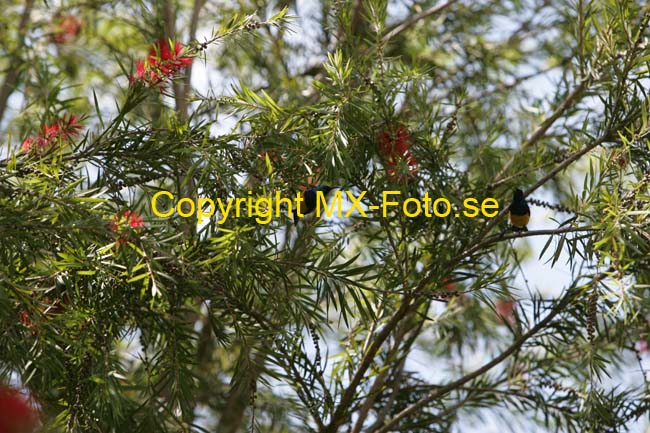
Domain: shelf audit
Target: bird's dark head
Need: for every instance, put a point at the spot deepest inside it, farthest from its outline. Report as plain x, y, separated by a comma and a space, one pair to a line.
518, 195
325, 189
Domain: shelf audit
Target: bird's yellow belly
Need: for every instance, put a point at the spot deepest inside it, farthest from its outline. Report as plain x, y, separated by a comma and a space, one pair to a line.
519, 220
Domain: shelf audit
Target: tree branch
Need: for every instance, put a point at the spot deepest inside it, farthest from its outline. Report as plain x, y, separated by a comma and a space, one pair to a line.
356, 17
411, 21
350, 391
564, 164
194, 24
568, 297
380, 379
15, 61
515, 235
544, 127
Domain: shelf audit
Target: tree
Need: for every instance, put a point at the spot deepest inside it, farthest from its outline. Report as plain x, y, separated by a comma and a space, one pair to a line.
116, 318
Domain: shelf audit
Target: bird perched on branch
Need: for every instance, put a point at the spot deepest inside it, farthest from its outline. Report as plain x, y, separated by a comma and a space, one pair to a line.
310, 197
519, 212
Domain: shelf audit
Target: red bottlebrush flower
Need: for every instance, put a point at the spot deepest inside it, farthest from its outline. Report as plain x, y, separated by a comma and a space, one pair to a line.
132, 219
17, 414
135, 220
66, 29
125, 223
146, 72
27, 145
506, 311
36, 145
68, 126
394, 144
24, 319
170, 62
63, 129
395, 148
51, 131
402, 174
402, 141
162, 62
448, 285
27, 322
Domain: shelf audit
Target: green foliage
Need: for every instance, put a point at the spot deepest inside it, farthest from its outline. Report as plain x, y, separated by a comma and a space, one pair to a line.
359, 324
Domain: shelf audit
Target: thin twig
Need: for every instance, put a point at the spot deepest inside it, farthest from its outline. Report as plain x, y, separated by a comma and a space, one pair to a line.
564, 164
356, 17
397, 378
515, 235
350, 391
568, 297
380, 379
541, 130
15, 61
411, 21
194, 24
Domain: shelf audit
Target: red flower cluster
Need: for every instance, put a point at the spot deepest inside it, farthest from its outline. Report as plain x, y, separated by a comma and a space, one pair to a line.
46, 308
506, 311
17, 414
161, 63
25, 320
66, 29
123, 224
132, 219
395, 147
61, 130
448, 285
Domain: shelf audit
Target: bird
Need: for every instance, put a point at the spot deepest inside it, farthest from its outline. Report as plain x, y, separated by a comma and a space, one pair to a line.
519, 212
310, 197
